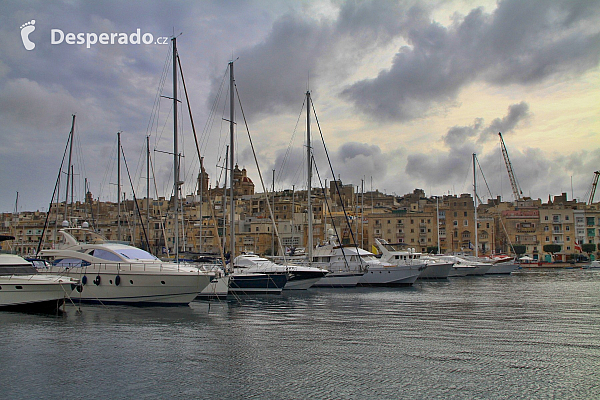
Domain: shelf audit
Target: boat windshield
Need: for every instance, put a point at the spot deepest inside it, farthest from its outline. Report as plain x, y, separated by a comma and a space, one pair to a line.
17, 269
71, 262
136, 254
369, 257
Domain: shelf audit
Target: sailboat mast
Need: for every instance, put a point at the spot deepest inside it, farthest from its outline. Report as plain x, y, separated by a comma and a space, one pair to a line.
69, 166
175, 152
225, 198
119, 186
148, 186
231, 160
437, 215
475, 203
309, 179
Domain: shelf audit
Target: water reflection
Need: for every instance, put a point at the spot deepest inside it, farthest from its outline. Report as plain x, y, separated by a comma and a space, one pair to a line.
532, 334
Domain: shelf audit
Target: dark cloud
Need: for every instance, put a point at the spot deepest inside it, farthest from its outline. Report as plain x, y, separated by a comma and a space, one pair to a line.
461, 141
516, 114
520, 42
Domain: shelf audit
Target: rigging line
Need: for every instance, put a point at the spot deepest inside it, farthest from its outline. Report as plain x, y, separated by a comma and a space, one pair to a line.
39, 248
329, 212
490, 192
288, 150
337, 189
110, 162
135, 201
260, 176
200, 158
159, 89
208, 127
162, 223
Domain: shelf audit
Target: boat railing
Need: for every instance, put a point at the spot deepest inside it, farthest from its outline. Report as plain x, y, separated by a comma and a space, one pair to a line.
112, 266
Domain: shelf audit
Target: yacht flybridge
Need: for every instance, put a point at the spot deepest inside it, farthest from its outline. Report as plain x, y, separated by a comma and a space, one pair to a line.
112, 272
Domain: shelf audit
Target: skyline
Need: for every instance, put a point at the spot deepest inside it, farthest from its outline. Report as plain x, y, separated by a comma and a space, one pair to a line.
404, 93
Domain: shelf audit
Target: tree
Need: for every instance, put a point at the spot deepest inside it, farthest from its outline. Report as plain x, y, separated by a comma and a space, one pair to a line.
588, 248
552, 248
519, 249
432, 249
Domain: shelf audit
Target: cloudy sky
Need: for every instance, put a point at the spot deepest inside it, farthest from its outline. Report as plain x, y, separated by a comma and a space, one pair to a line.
405, 92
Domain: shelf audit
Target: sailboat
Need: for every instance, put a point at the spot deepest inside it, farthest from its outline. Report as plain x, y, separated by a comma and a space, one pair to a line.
112, 272
241, 279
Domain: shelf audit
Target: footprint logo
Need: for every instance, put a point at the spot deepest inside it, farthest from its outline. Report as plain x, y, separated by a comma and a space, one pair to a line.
26, 29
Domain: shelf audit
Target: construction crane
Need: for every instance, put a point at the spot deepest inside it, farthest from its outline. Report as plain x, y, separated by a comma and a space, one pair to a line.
517, 193
594, 184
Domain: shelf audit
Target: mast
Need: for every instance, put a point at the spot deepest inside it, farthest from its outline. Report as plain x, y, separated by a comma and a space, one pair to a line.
69, 166
201, 200
231, 161
309, 180
225, 198
475, 203
273, 231
148, 186
119, 186
293, 214
175, 152
437, 214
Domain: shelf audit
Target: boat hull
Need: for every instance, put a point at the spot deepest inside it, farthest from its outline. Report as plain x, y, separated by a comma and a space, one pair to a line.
402, 275
480, 270
502, 268
303, 280
36, 293
436, 271
217, 289
242, 284
458, 271
137, 288
339, 279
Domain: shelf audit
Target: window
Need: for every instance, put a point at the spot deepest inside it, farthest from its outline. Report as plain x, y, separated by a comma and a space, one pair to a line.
567, 228
546, 228
465, 213
590, 221
487, 225
455, 214
466, 222
546, 218
455, 223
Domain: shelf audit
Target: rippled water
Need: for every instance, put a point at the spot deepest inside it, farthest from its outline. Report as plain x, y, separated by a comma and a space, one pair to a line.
533, 334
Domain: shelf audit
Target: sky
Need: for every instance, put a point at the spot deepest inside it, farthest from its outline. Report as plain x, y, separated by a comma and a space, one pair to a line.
404, 93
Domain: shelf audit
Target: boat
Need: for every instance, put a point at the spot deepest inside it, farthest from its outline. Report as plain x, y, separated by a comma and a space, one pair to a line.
460, 266
218, 288
594, 264
410, 258
299, 277
502, 265
23, 288
345, 268
117, 273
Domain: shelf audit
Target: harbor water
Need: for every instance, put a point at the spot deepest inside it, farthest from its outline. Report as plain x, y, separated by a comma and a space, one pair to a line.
534, 334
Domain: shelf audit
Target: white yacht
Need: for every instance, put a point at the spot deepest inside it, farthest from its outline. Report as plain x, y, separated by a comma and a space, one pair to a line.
429, 269
467, 266
299, 277
23, 288
118, 273
502, 265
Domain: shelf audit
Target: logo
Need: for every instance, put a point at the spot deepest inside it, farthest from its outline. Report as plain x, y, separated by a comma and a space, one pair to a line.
26, 29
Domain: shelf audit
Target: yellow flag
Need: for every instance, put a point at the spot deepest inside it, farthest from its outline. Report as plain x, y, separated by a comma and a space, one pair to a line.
374, 249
